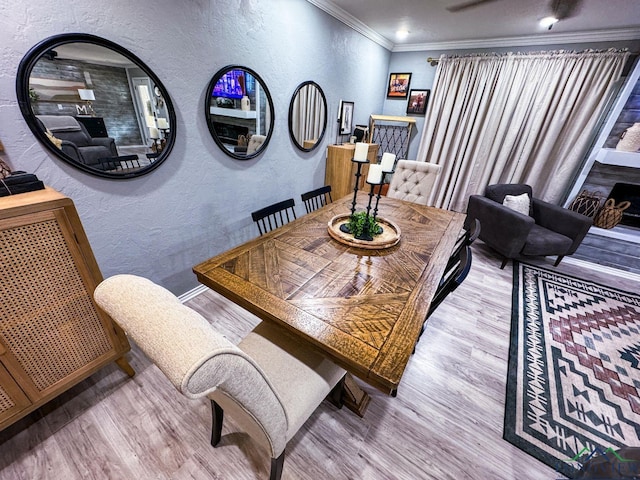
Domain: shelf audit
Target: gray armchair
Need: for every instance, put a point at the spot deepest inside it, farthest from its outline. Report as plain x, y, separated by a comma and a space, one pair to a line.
96, 152
547, 230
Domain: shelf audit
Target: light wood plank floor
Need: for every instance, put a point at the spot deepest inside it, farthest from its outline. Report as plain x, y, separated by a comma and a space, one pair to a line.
445, 423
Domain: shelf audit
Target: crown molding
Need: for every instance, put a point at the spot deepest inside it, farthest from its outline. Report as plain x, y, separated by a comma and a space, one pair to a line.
527, 40
520, 41
351, 21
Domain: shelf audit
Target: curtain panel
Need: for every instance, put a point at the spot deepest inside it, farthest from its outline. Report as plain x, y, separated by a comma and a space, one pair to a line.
514, 118
308, 114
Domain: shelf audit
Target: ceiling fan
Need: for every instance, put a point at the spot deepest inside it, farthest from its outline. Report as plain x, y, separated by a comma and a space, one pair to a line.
560, 9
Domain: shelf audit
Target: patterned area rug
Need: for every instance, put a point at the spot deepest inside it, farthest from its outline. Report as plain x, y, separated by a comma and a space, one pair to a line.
573, 388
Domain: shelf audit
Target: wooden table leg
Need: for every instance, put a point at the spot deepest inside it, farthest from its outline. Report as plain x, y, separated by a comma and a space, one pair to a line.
355, 399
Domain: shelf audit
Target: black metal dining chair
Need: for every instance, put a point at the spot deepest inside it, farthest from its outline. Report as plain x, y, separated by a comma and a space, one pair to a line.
317, 198
274, 216
457, 269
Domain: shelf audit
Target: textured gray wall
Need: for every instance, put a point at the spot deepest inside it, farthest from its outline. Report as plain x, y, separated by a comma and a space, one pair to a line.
198, 203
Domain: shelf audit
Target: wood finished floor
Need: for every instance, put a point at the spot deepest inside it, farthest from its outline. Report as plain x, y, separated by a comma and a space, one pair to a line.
445, 423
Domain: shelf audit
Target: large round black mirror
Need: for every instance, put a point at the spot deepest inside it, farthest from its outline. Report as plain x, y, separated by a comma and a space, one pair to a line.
96, 106
307, 116
239, 112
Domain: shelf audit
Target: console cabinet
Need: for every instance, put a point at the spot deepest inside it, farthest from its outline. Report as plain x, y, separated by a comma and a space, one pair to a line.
52, 335
340, 170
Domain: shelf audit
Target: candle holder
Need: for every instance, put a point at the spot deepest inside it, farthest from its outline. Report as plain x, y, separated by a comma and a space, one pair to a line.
375, 210
355, 187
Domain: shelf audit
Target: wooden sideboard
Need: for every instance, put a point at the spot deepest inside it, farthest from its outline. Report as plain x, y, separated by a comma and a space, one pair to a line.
340, 170
52, 334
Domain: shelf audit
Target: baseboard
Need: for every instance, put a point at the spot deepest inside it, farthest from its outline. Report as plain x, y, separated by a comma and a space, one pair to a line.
194, 292
601, 268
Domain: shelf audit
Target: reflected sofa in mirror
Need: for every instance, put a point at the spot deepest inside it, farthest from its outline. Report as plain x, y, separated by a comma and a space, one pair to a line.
239, 112
307, 116
96, 106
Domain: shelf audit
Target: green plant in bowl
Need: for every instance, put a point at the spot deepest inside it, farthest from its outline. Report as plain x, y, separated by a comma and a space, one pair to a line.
362, 226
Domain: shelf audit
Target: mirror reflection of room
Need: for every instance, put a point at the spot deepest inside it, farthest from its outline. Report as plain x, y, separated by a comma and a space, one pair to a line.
239, 111
307, 116
98, 107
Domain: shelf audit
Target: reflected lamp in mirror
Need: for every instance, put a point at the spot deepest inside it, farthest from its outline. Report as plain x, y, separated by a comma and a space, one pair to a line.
239, 112
307, 116
106, 133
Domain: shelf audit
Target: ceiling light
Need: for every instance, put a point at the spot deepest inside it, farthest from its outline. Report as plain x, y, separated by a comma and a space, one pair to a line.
548, 22
402, 34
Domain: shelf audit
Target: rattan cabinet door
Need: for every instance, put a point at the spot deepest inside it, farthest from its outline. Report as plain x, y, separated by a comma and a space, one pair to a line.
12, 398
52, 331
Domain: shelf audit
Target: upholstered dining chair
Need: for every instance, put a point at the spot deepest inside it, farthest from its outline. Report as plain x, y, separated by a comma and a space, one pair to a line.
317, 198
516, 223
275, 215
270, 383
413, 181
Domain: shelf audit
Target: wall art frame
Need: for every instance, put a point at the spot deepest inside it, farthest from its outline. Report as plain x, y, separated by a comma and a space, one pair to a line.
398, 86
418, 101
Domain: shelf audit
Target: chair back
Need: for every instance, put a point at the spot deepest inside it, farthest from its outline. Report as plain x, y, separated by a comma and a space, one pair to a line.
413, 181
455, 273
255, 142
274, 216
196, 358
498, 191
317, 198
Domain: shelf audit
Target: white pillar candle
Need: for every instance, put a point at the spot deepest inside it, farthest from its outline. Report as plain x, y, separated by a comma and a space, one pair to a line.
362, 150
388, 161
153, 132
162, 123
375, 174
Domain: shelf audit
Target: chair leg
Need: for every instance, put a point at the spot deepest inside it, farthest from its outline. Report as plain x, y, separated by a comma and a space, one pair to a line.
217, 415
276, 467
504, 263
560, 257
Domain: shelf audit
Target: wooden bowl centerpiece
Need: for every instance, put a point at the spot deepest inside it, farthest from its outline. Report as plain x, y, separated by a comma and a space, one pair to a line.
363, 231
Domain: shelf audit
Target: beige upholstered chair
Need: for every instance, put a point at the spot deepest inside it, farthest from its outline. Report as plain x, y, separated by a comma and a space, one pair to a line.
255, 142
270, 383
412, 181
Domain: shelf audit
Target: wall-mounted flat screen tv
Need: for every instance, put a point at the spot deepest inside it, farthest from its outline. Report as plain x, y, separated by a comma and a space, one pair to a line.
234, 84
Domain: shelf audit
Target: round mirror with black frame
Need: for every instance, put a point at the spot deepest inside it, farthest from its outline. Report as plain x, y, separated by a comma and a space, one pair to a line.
307, 116
239, 112
96, 106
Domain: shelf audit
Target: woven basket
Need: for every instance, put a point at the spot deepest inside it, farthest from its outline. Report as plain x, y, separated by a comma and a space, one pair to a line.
5, 171
610, 214
587, 203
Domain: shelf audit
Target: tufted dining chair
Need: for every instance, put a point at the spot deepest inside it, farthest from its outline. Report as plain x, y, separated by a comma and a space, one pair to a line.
412, 181
270, 383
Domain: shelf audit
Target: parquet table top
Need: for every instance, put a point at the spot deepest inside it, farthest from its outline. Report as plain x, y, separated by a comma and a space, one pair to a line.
362, 308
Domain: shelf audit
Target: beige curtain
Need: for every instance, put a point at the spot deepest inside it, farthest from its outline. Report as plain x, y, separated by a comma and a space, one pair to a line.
307, 114
514, 118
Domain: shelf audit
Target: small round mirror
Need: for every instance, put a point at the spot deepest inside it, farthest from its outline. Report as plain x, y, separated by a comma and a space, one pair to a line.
96, 106
239, 112
307, 116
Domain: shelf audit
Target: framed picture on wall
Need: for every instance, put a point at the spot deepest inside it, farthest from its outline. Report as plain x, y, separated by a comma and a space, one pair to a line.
346, 118
418, 100
398, 85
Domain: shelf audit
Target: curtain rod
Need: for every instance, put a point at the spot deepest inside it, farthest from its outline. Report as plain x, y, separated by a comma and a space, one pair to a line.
434, 61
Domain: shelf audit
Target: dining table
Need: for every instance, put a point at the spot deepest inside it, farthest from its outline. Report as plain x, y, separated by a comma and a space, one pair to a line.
364, 308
